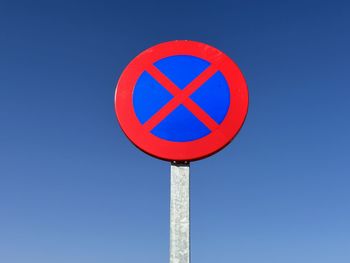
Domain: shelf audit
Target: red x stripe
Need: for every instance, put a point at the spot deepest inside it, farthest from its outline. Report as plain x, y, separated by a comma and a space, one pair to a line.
181, 96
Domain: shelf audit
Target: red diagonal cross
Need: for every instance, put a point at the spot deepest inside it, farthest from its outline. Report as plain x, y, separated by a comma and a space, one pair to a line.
181, 96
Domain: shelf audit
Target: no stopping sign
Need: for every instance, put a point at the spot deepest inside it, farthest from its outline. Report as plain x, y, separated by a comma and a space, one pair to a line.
181, 100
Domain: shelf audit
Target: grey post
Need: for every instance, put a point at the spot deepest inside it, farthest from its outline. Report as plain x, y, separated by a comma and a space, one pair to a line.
180, 213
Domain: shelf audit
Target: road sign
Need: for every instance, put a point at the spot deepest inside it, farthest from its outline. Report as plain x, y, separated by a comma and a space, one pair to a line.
181, 100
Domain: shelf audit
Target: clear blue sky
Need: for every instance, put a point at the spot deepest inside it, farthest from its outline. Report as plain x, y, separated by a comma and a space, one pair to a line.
73, 189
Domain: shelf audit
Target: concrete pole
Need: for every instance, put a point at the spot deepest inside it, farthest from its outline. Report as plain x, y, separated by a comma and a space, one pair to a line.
180, 213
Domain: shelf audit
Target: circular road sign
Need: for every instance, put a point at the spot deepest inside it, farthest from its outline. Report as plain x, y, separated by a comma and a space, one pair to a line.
181, 100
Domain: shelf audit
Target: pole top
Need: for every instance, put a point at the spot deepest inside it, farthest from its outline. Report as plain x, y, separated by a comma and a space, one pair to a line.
180, 163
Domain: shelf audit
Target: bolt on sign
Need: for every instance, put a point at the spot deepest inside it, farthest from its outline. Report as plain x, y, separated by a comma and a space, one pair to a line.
181, 101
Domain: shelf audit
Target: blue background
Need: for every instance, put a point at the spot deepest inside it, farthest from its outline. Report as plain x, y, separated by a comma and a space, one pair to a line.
74, 189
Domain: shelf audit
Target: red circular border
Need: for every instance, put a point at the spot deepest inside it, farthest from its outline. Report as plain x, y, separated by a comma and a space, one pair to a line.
181, 151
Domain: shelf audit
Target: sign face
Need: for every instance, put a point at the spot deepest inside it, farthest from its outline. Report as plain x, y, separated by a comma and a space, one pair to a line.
181, 100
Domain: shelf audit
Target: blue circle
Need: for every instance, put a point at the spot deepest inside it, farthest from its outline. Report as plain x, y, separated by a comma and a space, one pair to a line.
181, 125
